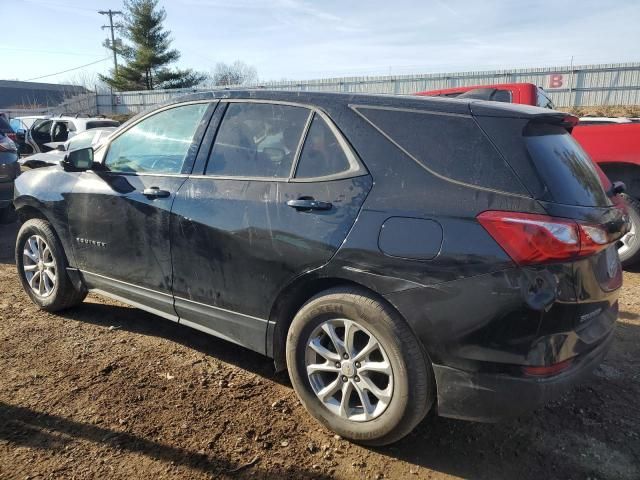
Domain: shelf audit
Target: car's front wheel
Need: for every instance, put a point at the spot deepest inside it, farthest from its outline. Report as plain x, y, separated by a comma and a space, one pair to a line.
358, 368
42, 264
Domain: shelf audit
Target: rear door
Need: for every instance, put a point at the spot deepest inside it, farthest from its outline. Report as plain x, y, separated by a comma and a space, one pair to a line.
248, 224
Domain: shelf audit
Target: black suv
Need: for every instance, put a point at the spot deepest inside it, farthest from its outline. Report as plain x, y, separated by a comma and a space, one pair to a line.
396, 254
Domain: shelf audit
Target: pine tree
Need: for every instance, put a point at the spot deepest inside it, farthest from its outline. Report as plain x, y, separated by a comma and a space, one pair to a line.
148, 52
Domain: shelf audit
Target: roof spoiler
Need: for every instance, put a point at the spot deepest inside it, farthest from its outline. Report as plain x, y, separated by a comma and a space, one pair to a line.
527, 112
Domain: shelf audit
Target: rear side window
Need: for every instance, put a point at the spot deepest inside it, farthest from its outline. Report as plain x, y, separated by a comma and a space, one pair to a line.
322, 154
452, 146
565, 168
257, 140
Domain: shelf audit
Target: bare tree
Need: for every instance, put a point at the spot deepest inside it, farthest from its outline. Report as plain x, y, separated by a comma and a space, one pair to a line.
236, 73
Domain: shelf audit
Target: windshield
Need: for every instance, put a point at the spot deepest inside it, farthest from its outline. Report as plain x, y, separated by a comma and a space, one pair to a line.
102, 123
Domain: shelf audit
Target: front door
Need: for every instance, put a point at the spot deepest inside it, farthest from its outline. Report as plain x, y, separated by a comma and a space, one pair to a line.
246, 226
120, 214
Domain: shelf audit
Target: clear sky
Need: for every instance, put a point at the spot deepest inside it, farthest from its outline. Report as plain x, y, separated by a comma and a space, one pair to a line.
301, 39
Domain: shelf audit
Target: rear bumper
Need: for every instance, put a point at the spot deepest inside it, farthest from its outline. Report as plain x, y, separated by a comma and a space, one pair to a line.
490, 397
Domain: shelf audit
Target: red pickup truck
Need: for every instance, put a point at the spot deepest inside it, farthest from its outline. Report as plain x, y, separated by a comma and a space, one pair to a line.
615, 147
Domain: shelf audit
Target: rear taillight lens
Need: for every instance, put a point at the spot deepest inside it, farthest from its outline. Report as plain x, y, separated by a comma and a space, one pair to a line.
549, 370
12, 137
6, 145
532, 238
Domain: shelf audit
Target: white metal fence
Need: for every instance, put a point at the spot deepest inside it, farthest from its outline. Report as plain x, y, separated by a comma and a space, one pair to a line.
586, 85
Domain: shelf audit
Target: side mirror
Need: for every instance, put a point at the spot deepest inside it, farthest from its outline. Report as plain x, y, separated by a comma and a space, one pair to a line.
79, 160
61, 148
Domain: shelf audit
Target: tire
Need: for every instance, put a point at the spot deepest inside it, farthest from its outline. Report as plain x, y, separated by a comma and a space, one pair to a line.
412, 381
629, 250
55, 295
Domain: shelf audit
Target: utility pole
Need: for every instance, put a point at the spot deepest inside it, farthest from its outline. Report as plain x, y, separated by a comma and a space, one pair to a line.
111, 13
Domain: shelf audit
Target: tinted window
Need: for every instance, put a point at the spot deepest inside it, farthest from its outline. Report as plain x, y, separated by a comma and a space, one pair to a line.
543, 100
321, 155
566, 169
42, 126
61, 131
102, 123
257, 140
501, 96
449, 145
157, 144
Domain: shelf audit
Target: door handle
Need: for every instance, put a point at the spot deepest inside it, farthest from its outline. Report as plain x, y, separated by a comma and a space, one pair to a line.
309, 204
155, 192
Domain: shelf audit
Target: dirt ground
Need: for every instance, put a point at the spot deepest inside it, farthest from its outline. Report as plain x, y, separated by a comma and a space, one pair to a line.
108, 391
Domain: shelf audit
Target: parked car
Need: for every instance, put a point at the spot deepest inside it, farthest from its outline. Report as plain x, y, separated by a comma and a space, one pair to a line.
9, 170
614, 144
59, 129
5, 127
396, 254
20, 126
89, 138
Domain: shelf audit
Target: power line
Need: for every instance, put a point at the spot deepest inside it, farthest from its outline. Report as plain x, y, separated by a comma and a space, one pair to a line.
111, 13
65, 71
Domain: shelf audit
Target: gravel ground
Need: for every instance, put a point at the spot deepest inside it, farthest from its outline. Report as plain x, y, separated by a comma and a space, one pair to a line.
109, 391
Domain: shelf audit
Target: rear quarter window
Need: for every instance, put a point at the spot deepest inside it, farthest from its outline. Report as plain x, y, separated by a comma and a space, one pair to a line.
452, 146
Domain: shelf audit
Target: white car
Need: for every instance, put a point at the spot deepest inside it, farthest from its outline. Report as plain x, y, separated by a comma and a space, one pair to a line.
59, 129
88, 138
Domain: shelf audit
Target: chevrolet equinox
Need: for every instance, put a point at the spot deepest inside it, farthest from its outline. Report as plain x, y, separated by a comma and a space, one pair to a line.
395, 254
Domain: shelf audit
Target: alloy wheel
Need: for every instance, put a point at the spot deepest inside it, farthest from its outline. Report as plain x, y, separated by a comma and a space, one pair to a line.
39, 266
349, 370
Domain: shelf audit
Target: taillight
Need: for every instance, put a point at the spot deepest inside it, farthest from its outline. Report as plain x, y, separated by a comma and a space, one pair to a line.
530, 238
548, 370
12, 137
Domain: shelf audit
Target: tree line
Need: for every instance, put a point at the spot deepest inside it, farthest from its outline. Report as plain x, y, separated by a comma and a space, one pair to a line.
149, 59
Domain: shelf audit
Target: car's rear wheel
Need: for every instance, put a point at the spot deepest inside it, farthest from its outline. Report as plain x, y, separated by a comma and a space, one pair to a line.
358, 368
42, 264
629, 248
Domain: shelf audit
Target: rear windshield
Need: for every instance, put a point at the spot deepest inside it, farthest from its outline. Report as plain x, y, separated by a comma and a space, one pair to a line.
102, 123
565, 168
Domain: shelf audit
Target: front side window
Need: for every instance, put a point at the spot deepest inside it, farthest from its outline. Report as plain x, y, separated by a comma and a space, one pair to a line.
43, 127
158, 144
60, 132
257, 140
322, 154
